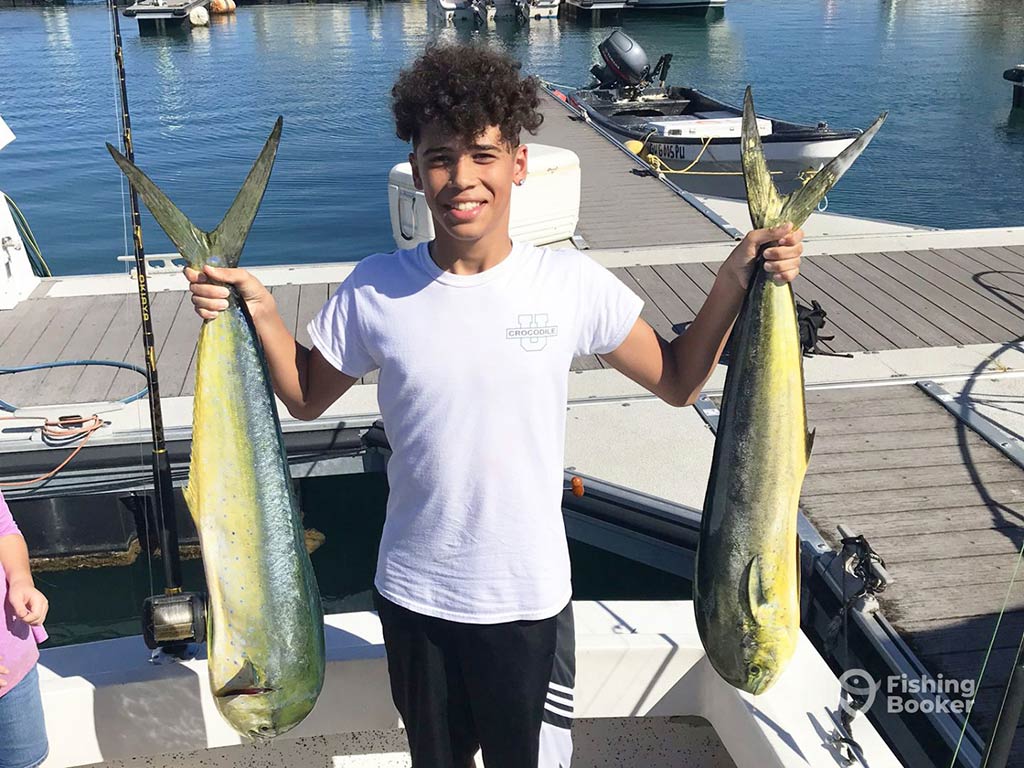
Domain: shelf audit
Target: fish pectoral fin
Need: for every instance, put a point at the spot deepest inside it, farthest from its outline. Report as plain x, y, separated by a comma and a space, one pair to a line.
230, 234
756, 599
191, 242
810, 442
248, 680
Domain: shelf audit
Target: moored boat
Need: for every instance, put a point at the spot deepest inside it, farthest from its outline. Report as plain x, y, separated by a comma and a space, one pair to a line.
689, 134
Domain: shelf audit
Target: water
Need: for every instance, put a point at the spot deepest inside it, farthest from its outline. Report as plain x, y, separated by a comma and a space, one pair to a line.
203, 103
101, 603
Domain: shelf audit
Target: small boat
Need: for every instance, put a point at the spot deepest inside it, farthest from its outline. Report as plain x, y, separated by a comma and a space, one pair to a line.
481, 11
690, 135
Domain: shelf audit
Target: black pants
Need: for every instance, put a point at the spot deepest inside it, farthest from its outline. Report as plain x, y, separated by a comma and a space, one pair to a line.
506, 689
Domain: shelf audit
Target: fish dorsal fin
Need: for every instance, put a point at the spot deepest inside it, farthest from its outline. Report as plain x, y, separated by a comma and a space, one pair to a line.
246, 681
768, 208
756, 599
191, 242
229, 236
810, 442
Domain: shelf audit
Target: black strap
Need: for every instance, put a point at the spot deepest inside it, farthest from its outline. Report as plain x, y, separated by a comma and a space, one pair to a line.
811, 320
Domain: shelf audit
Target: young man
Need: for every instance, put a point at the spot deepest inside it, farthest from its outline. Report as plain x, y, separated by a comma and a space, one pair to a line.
473, 336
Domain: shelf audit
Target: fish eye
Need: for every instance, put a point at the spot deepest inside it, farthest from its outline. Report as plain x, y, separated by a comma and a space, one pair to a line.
755, 670
264, 728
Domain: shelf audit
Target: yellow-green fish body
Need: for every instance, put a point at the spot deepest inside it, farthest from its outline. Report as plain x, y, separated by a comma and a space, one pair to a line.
264, 616
747, 578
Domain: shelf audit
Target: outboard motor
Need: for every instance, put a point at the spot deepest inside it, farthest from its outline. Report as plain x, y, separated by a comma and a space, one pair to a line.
626, 64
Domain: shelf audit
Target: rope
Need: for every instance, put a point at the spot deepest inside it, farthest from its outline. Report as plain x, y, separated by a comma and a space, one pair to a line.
5, 406
58, 433
660, 166
984, 665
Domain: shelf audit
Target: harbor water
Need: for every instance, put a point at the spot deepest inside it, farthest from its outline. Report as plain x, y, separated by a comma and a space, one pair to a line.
203, 102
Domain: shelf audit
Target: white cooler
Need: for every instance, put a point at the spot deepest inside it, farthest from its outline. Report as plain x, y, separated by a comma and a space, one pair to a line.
544, 210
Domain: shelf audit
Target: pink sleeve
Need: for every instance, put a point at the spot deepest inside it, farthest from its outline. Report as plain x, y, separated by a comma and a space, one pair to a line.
7, 524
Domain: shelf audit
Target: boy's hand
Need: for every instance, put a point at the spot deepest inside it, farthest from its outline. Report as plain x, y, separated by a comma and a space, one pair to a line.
29, 604
782, 260
210, 299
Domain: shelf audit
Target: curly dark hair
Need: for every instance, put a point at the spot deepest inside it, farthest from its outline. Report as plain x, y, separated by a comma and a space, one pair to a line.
466, 88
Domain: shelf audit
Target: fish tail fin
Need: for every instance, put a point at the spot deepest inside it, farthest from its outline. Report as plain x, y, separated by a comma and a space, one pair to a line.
802, 203
763, 199
229, 236
223, 246
191, 241
767, 207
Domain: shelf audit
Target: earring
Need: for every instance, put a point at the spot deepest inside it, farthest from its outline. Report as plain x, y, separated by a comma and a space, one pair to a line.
520, 182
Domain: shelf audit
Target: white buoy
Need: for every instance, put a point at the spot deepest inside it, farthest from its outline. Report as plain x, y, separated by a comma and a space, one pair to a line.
199, 16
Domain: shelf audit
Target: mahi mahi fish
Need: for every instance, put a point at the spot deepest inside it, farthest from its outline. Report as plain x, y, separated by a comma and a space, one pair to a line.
746, 587
264, 616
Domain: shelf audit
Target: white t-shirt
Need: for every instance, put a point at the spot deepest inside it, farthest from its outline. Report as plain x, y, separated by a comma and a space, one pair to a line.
472, 390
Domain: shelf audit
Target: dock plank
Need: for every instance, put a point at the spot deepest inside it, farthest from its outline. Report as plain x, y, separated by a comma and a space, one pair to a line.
651, 313
9, 320
823, 483
941, 636
906, 458
663, 296
941, 437
61, 385
925, 280
956, 278
945, 519
312, 297
176, 356
24, 389
859, 319
164, 306
607, 180
689, 293
922, 332
286, 297
926, 306
885, 502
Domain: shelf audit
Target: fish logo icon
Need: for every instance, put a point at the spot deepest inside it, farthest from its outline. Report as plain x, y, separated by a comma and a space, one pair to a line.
532, 332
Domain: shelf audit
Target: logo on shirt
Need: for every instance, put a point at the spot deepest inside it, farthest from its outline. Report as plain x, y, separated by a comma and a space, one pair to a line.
533, 332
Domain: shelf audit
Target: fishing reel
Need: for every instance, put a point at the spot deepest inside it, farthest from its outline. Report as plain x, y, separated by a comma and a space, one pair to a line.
172, 621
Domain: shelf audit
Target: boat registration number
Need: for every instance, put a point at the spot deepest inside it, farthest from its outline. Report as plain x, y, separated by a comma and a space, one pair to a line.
670, 151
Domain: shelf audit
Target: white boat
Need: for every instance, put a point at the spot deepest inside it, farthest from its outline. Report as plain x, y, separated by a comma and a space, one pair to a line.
645, 695
686, 6
481, 11
473, 11
694, 137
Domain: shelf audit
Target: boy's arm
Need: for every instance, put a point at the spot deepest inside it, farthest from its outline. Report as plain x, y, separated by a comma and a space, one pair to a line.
676, 371
306, 383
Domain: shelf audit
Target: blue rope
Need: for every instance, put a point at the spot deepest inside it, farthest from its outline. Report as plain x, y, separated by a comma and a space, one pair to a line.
5, 406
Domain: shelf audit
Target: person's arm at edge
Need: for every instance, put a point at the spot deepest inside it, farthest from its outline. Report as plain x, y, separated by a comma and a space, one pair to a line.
306, 383
676, 371
29, 603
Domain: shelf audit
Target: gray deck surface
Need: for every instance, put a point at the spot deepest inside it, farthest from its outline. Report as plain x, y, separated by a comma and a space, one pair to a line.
943, 509
874, 301
618, 208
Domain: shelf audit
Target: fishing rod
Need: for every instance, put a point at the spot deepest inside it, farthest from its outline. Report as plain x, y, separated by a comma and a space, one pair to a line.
176, 618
